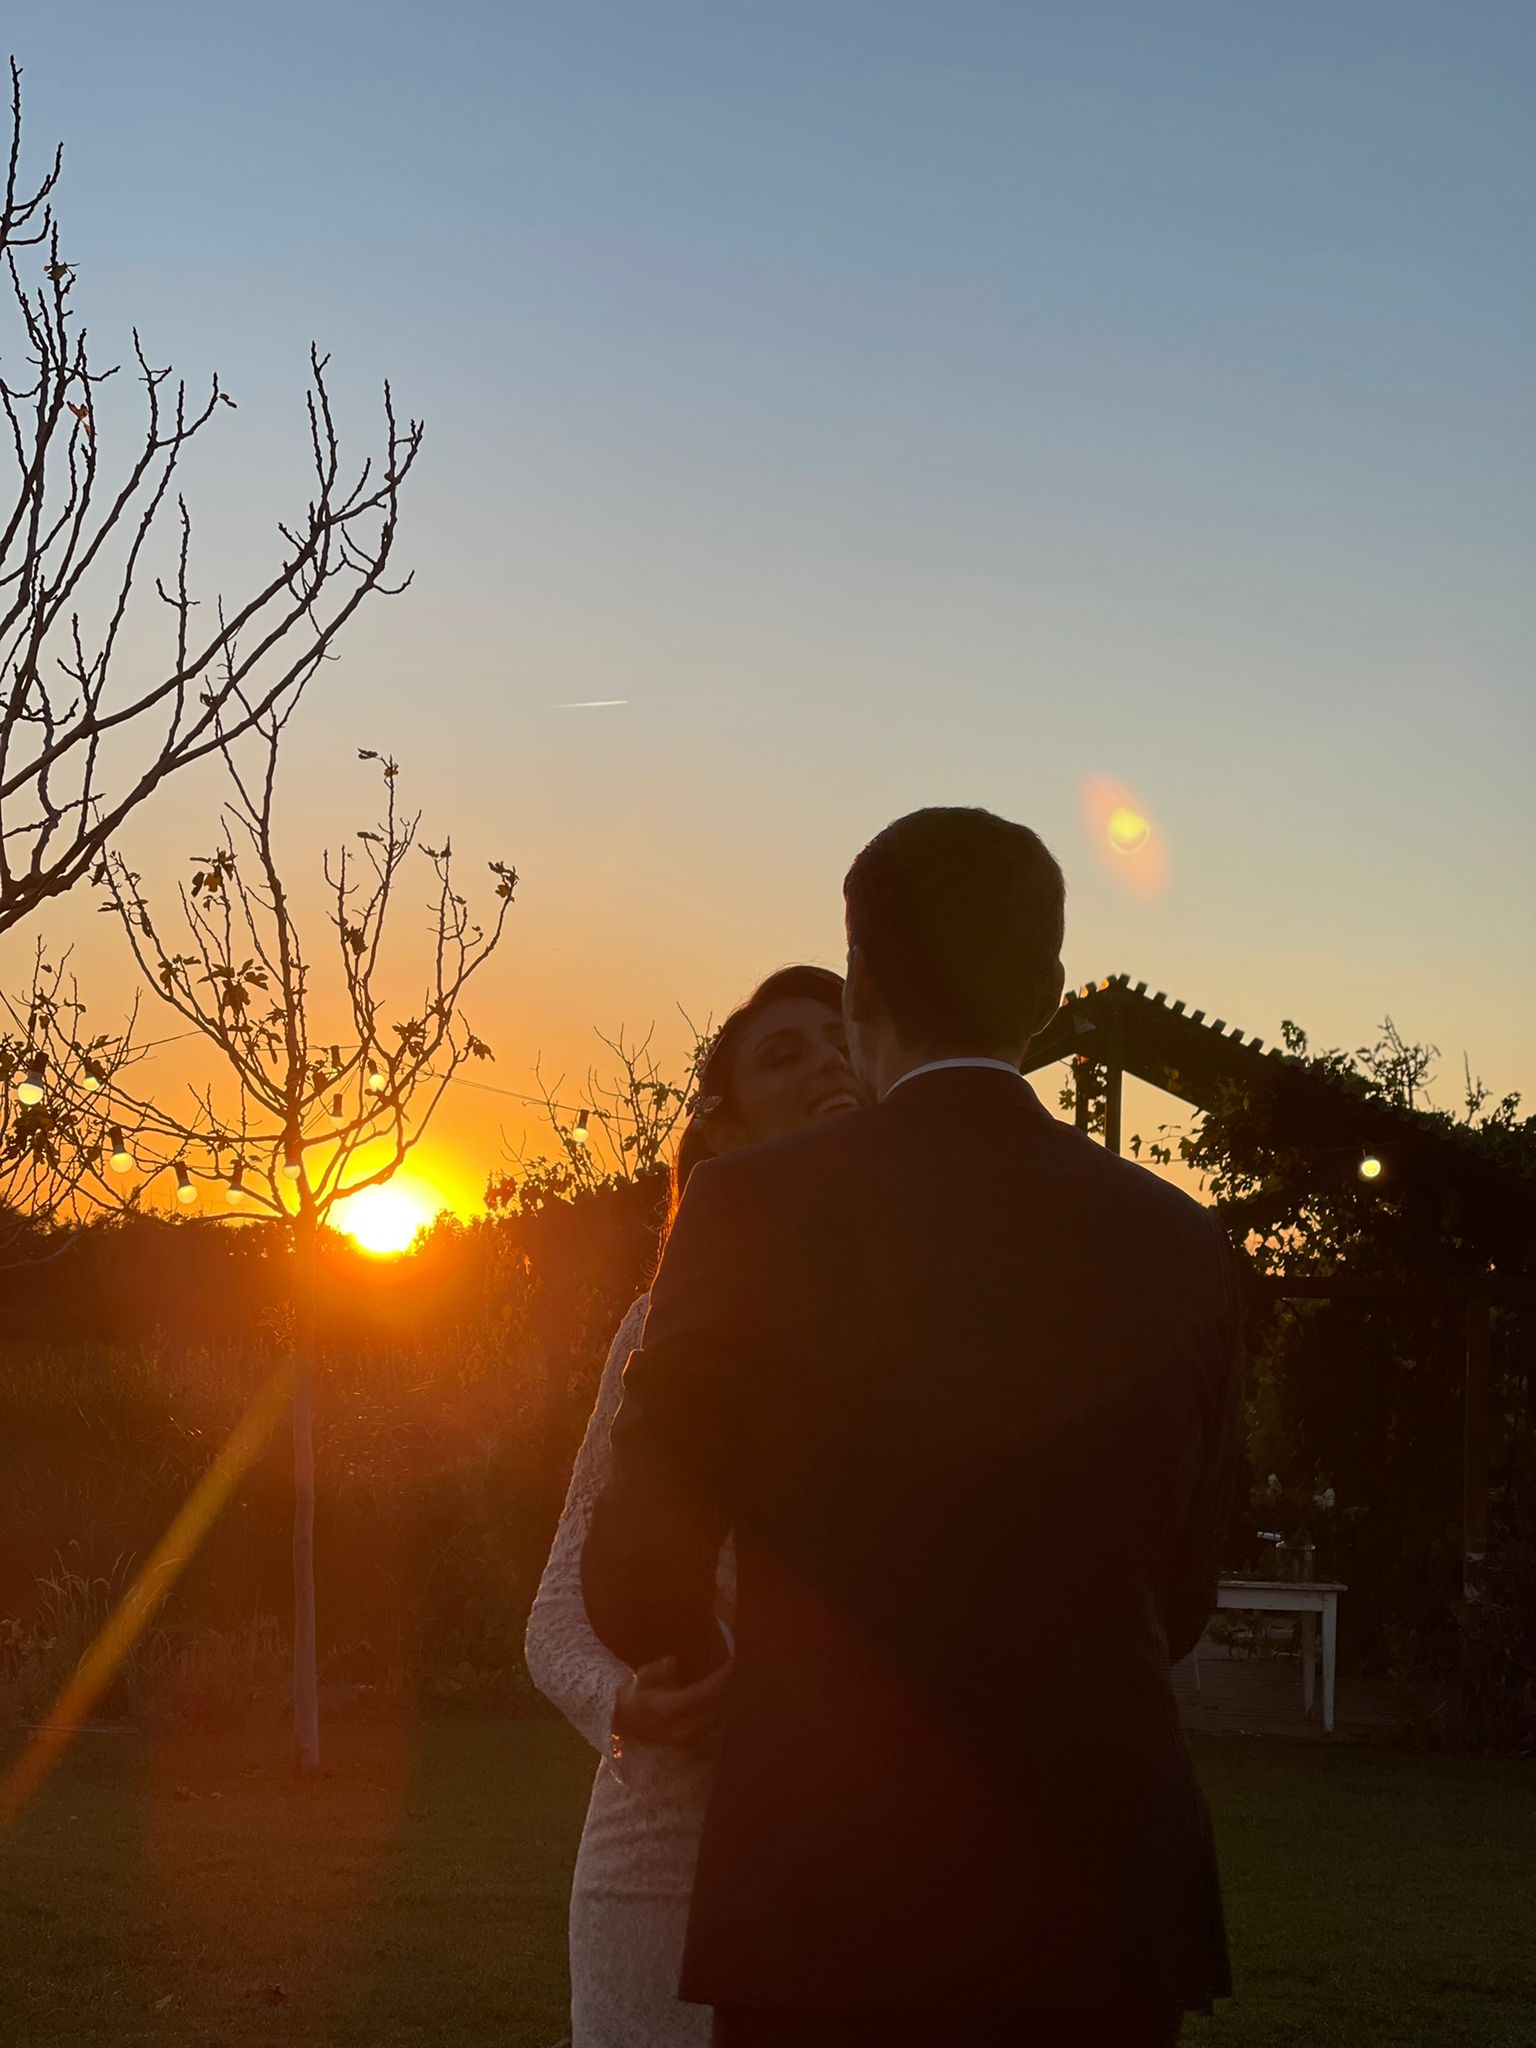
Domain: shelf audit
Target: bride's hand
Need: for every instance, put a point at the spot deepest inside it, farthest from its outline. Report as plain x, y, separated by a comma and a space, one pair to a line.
654, 1708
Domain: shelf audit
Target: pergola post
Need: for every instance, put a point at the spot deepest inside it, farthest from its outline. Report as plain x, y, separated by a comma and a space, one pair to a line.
1474, 1512
1114, 1076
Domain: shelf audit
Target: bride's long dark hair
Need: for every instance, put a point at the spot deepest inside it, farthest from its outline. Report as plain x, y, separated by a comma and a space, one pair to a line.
717, 1073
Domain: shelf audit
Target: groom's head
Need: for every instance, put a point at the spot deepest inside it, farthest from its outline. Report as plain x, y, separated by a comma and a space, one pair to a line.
954, 942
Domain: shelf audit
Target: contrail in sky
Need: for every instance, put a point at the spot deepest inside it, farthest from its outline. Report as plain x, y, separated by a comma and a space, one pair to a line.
594, 704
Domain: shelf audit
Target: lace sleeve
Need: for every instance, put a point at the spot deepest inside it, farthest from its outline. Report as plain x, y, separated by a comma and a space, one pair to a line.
566, 1661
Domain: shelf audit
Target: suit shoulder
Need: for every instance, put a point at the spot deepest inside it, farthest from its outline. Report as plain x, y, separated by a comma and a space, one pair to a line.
1125, 1183
793, 1160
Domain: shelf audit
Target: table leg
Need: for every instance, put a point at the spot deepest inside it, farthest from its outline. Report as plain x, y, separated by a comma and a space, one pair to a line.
1330, 1656
1308, 1660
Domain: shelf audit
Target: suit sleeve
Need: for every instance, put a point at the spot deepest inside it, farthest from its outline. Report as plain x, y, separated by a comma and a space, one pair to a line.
1197, 1564
649, 1563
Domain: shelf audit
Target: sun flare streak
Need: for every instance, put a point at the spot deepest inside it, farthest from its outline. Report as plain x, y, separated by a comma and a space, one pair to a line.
140, 1603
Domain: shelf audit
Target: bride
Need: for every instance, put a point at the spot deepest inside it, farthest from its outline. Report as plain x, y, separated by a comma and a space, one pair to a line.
778, 1063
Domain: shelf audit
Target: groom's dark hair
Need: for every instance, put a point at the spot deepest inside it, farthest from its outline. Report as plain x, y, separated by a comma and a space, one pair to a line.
959, 916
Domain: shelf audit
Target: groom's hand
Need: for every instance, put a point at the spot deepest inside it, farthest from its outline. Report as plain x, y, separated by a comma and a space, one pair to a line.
654, 1708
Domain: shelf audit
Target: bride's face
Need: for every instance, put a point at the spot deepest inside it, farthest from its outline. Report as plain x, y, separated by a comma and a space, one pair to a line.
789, 1070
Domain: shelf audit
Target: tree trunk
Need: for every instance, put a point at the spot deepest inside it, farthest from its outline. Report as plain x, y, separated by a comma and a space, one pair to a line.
1474, 1541
306, 1677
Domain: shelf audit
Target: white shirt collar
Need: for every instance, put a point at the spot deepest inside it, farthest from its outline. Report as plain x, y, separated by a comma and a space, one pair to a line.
940, 1066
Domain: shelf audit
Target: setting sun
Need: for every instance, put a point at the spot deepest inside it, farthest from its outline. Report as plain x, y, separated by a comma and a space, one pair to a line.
385, 1220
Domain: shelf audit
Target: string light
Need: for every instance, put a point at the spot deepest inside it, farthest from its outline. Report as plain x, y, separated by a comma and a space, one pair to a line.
33, 1083
234, 1194
338, 1109
185, 1191
293, 1162
335, 1062
122, 1158
580, 1127
376, 1081
1370, 1167
93, 1077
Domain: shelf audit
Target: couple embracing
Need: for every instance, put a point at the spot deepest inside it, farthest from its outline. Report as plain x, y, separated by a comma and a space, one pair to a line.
903, 1491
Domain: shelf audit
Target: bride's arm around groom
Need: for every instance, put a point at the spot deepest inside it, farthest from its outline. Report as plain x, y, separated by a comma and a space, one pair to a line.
648, 1568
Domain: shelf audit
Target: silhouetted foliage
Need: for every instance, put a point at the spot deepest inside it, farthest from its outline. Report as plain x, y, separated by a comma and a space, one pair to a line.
453, 1385
1358, 1403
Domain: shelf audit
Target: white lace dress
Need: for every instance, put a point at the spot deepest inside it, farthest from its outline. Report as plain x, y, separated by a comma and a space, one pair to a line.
634, 1870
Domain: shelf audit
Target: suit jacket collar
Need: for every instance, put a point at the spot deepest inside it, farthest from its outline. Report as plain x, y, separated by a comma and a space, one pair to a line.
952, 1087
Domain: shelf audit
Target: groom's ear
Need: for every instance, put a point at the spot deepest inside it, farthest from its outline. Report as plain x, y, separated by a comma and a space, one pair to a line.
861, 999
1053, 1001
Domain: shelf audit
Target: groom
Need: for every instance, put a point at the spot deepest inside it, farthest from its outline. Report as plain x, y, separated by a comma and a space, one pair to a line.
964, 1385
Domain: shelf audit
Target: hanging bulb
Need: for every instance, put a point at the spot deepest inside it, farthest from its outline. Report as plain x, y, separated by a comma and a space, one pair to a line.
122, 1158
335, 1061
234, 1194
293, 1162
32, 1085
377, 1082
1370, 1167
580, 1127
93, 1077
185, 1191
338, 1110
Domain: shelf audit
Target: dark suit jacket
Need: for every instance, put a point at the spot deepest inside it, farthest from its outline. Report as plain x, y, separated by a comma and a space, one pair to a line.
965, 1387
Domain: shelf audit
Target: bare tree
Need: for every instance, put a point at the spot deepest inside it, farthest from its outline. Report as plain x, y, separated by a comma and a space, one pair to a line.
316, 1117
56, 1080
619, 1130
87, 730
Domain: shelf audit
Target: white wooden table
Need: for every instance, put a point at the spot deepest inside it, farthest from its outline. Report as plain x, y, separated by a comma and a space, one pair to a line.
1309, 1598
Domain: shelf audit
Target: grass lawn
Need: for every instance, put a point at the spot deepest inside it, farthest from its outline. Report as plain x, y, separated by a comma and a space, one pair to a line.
186, 1891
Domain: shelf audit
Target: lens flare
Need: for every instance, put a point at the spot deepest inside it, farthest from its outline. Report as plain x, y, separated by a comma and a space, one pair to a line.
1128, 830
1132, 852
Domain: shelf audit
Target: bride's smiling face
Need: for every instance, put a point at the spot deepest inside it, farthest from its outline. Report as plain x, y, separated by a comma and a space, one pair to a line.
789, 1070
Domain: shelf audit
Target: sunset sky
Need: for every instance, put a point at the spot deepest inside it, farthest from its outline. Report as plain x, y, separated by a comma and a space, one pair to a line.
894, 404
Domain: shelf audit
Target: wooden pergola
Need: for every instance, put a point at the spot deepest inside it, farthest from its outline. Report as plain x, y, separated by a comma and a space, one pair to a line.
1120, 1029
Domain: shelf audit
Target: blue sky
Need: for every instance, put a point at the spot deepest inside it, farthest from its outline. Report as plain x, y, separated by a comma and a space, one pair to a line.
896, 404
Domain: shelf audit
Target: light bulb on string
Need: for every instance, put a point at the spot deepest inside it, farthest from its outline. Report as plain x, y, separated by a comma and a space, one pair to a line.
1370, 1167
293, 1162
33, 1083
122, 1158
338, 1110
185, 1191
93, 1076
234, 1194
335, 1061
377, 1083
581, 1127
